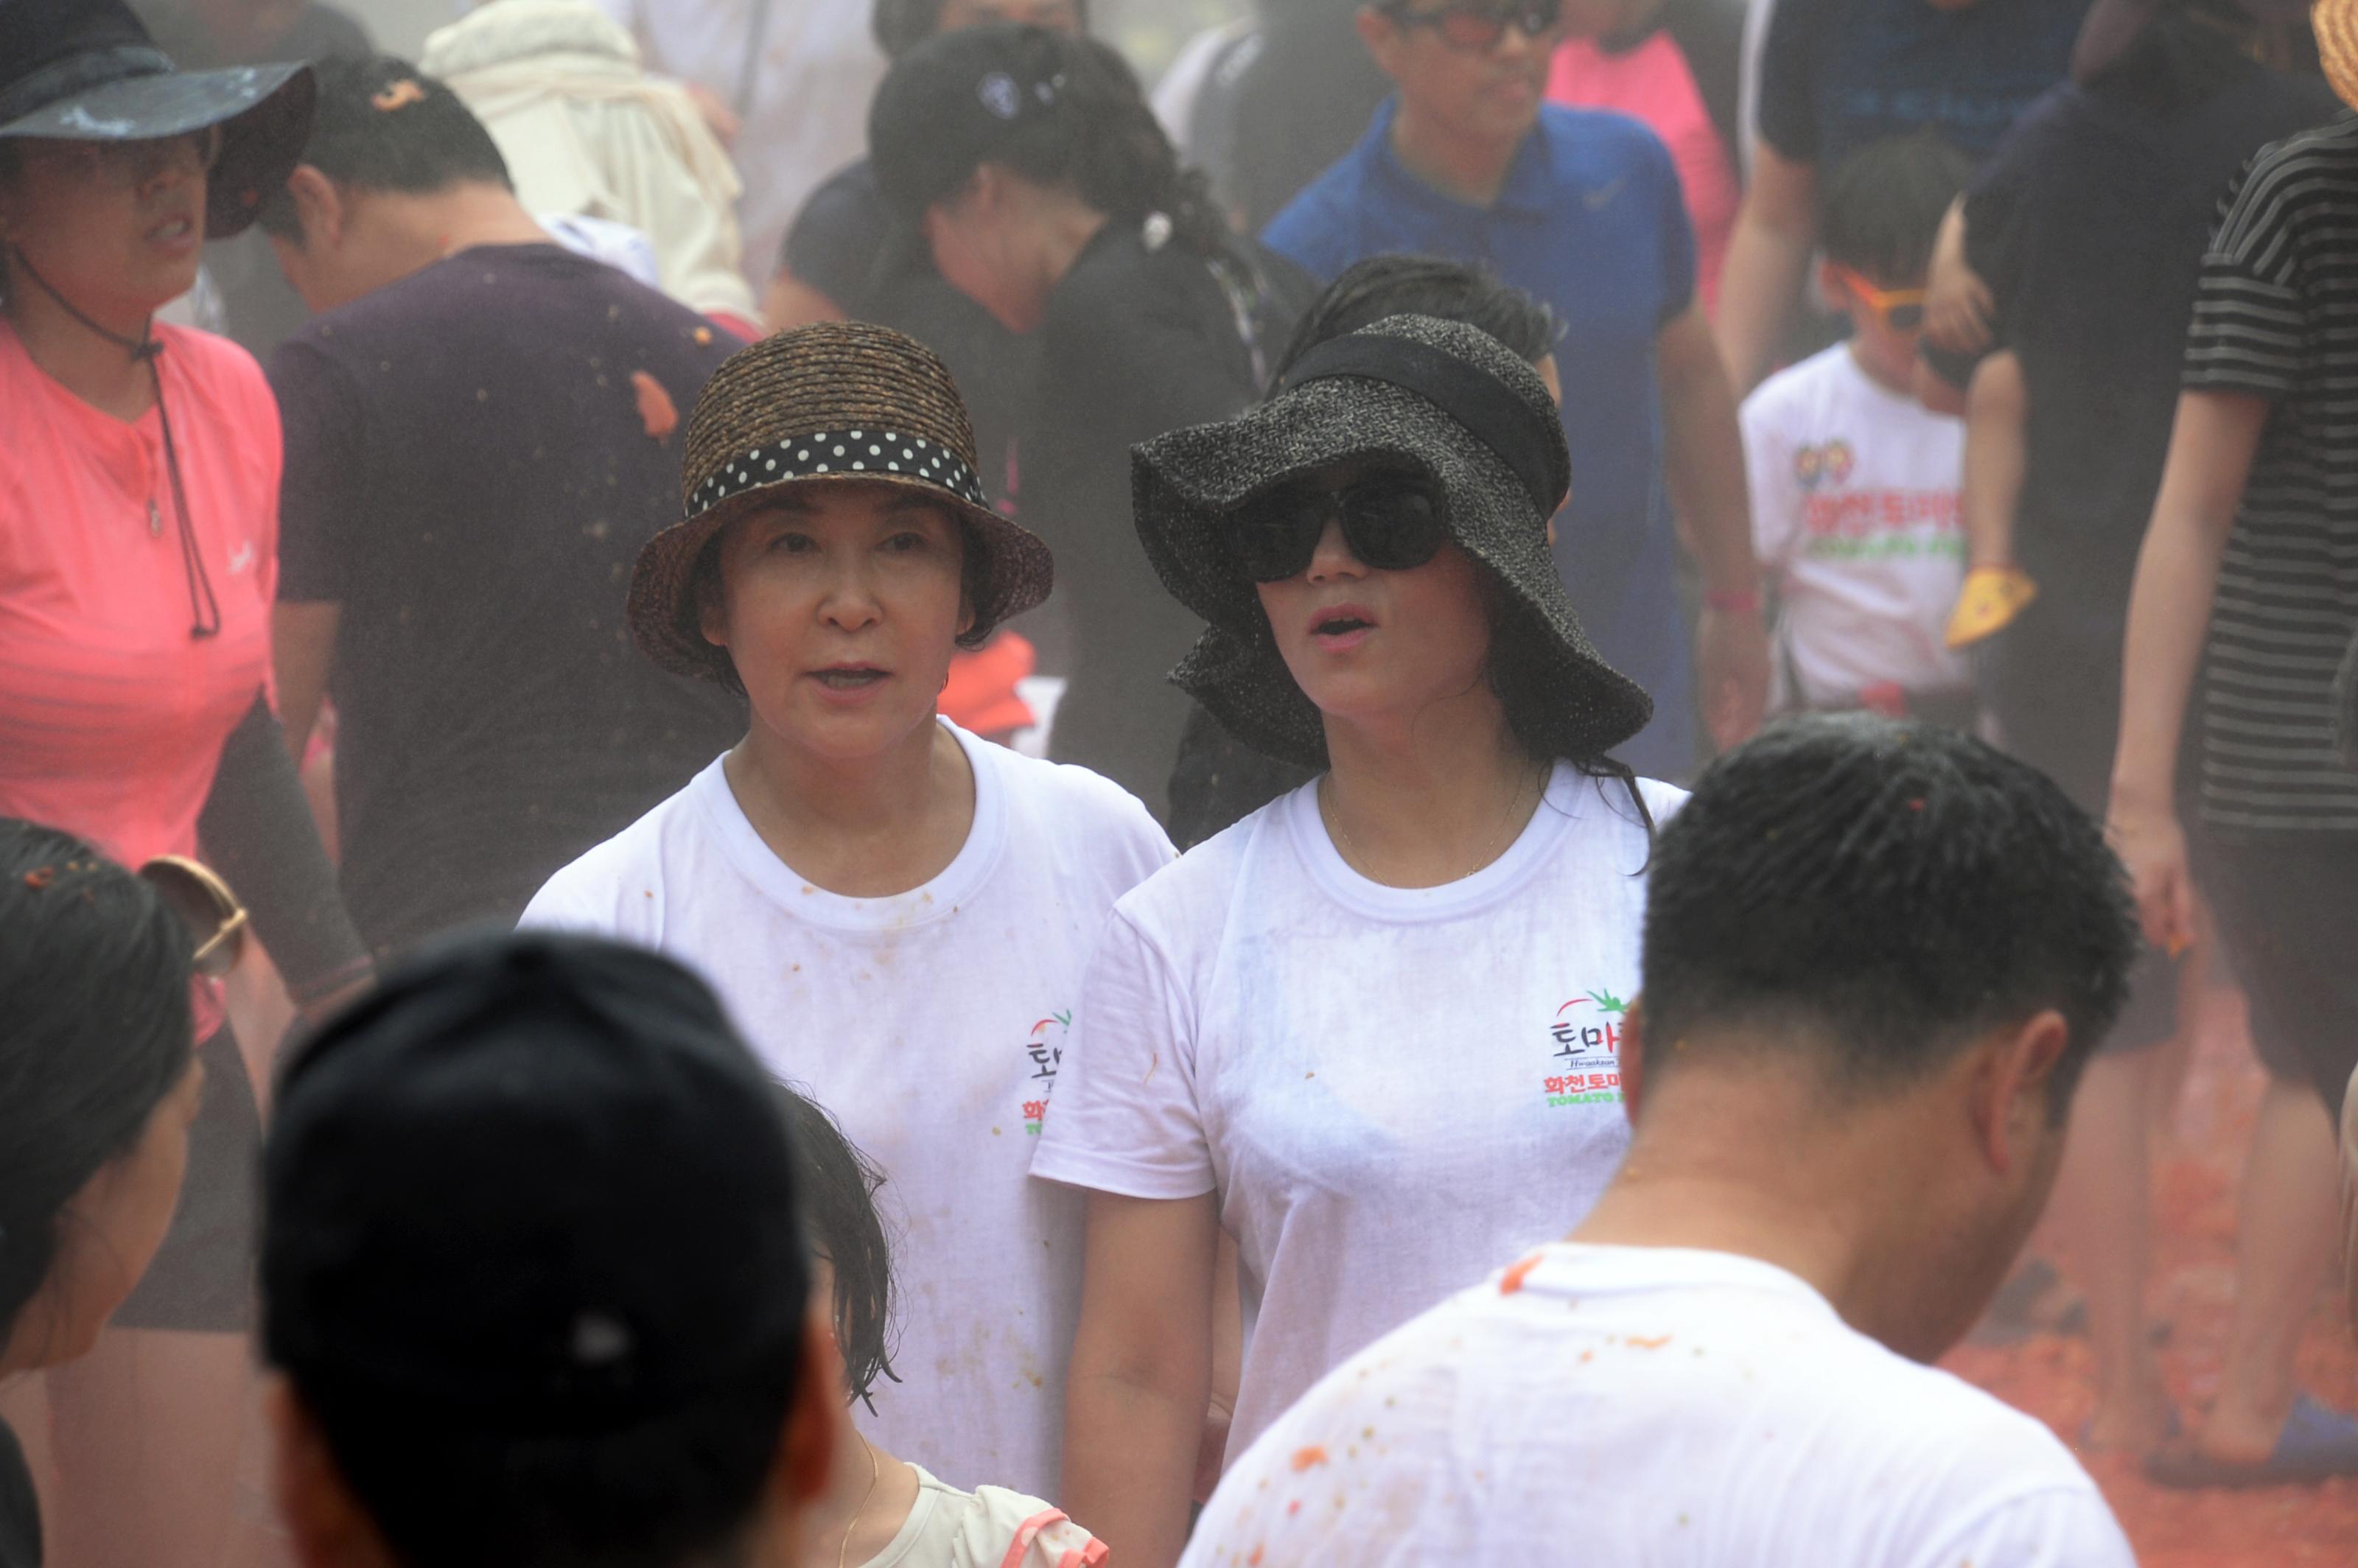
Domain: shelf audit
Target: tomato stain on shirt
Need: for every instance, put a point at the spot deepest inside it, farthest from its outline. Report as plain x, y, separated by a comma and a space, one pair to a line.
1517, 1274
1308, 1459
1638, 1342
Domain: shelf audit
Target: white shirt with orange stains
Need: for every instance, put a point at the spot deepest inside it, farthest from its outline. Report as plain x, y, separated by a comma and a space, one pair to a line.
1655, 1405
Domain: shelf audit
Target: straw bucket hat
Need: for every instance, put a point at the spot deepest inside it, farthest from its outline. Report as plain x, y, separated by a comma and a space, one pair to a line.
2336, 22
1445, 399
841, 400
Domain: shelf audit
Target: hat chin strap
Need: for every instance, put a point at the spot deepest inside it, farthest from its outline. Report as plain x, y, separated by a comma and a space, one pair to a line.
204, 608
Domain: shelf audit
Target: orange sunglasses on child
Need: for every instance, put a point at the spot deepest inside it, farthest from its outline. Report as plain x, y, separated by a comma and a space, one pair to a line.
1900, 310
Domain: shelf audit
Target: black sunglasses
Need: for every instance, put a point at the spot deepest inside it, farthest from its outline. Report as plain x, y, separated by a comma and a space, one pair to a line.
1394, 524
1475, 25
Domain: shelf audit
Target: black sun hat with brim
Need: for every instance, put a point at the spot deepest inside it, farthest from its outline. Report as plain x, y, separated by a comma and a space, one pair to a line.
86, 71
834, 402
1437, 397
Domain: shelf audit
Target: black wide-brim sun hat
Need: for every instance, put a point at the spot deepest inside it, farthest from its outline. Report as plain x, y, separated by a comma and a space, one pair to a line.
1350, 401
836, 401
85, 71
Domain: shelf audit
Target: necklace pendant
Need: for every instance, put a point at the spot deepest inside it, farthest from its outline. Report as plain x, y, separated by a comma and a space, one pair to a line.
154, 520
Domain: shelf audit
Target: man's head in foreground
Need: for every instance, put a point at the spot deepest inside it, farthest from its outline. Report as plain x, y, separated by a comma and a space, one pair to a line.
1877, 957
533, 1273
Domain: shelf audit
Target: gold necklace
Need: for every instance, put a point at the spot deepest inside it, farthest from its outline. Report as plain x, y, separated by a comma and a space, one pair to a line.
845, 1549
1333, 820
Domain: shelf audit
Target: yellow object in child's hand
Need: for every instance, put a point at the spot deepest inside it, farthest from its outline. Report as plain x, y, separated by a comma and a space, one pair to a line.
1991, 597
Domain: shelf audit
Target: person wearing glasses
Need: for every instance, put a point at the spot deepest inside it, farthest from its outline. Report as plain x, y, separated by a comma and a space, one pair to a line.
1855, 484
1371, 1032
138, 559
96, 1031
1583, 209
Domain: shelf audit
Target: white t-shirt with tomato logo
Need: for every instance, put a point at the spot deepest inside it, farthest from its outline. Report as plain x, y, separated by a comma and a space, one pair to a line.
1857, 516
1393, 1091
931, 1024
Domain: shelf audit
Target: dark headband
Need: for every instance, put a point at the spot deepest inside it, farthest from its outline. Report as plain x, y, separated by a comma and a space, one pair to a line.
1521, 436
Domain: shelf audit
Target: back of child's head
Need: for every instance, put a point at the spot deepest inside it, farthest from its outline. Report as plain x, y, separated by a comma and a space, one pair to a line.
838, 1185
1884, 204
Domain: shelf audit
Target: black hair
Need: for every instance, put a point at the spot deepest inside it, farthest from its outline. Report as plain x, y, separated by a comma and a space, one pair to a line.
900, 25
682, 1487
1097, 136
383, 124
95, 1031
1884, 204
1368, 291
839, 1185
1883, 893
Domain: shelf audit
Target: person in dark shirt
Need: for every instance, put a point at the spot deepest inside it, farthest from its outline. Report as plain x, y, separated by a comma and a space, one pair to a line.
2088, 228
1219, 781
1045, 189
102, 1088
1836, 75
828, 266
479, 430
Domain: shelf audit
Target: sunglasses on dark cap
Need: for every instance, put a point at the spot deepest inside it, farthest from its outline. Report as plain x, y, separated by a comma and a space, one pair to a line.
215, 919
1476, 25
1393, 523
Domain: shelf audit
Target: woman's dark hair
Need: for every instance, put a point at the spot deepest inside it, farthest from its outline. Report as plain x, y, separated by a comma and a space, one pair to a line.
900, 25
1368, 291
838, 1185
1069, 113
96, 1029
1517, 674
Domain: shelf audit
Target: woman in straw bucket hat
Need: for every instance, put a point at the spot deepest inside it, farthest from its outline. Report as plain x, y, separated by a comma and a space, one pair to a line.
1350, 1029
138, 562
2249, 575
897, 912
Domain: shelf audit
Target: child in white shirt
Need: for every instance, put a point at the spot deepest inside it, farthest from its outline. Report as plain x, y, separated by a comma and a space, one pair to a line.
1856, 485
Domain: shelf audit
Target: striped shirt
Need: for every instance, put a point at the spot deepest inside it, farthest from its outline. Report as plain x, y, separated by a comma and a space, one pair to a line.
2277, 317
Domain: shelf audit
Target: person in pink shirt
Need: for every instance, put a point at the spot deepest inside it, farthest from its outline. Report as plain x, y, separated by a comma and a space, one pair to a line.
138, 551
1676, 65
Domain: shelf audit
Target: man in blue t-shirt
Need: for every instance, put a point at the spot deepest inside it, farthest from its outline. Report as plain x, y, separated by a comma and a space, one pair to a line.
1583, 210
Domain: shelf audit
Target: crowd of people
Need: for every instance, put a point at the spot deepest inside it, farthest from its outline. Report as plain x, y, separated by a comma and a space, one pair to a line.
1008, 822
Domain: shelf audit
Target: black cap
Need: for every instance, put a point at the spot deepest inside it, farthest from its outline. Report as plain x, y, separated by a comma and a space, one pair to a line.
532, 1186
949, 106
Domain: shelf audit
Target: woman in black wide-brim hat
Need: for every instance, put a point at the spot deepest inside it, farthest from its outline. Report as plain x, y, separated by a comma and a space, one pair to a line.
138, 528
1371, 1032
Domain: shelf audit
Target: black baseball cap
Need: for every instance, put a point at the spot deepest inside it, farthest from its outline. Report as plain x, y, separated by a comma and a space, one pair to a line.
953, 102
532, 1186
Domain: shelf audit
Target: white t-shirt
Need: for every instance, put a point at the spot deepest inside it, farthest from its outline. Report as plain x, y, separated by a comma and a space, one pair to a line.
931, 1024
1661, 1406
1389, 1089
989, 1527
1855, 515
807, 116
